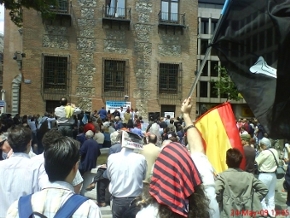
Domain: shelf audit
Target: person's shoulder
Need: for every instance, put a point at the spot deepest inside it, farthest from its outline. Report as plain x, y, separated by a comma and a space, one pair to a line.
37, 159
88, 209
249, 149
113, 155
91, 204
139, 156
149, 211
4, 162
13, 210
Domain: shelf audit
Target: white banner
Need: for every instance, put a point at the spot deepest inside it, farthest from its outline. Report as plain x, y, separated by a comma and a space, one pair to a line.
171, 114
113, 105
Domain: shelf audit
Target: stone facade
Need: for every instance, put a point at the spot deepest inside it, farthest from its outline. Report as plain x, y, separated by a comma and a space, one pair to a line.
90, 40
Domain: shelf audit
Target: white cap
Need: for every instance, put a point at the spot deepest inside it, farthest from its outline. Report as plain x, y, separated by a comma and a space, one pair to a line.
265, 142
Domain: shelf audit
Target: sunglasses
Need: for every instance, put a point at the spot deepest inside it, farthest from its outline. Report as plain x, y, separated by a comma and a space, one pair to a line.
2, 143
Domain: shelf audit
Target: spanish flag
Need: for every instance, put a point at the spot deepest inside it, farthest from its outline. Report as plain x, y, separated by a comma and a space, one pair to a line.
219, 133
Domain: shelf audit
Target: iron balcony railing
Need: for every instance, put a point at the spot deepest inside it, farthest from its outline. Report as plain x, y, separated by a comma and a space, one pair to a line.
116, 13
167, 18
63, 7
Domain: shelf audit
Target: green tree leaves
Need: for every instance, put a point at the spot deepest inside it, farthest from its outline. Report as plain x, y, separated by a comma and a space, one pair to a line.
15, 7
225, 86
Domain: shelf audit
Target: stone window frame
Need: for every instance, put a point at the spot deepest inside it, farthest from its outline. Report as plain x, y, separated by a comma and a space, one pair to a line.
55, 91
168, 16
172, 94
117, 93
112, 9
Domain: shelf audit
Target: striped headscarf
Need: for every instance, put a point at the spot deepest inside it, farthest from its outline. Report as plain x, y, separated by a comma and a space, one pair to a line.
174, 178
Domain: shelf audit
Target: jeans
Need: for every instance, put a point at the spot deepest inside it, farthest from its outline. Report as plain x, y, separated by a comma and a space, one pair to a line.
102, 185
120, 205
268, 203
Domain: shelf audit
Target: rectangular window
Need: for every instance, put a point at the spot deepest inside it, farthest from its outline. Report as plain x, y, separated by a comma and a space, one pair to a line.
204, 26
203, 46
213, 90
203, 89
114, 75
169, 10
205, 69
61, 7
116, 8
168, 78
213, 68
55, 72
213, 25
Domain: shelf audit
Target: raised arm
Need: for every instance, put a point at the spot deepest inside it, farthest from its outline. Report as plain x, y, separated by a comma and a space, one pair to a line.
193, 137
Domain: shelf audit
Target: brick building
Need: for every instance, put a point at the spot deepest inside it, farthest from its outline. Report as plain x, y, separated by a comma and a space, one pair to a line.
95, 51
206, 97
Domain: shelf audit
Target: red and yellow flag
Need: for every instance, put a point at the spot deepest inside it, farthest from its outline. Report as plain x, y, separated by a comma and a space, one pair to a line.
219, 133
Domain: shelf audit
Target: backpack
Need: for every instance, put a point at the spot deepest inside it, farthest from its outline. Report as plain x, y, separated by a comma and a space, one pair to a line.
66, 210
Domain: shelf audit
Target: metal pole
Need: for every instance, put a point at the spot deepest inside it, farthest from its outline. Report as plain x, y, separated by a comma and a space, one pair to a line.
208, 50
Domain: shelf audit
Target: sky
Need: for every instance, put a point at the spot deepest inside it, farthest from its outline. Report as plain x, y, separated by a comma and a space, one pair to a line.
2, 19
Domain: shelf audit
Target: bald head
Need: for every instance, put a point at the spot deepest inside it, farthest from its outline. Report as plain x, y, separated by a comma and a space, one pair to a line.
152, 139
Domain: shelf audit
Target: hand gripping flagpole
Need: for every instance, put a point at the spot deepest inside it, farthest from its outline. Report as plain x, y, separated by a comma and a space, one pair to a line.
208, 50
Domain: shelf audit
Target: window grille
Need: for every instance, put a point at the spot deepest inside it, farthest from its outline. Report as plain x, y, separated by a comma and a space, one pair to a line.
55, 72
55, 76
114, 76
115, 79
168, 78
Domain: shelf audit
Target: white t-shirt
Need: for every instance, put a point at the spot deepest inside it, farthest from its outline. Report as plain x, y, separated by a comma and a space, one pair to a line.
206, 172
151, 211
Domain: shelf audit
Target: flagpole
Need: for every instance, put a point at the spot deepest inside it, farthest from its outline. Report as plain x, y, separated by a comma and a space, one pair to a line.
208, 50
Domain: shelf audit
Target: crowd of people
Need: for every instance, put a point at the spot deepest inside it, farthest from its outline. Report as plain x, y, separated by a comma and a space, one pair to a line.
44, 159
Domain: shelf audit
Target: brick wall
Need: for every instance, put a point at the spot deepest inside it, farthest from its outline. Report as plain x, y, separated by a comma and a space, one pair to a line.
88, 41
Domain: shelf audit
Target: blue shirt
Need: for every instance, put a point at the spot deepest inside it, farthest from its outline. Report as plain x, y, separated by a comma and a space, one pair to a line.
103, 114
18, 177
137, 131
89, 152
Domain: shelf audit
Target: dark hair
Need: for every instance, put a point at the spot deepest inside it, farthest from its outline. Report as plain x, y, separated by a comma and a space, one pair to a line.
97, 128
63, 101
198, 205
18, 138
152, 138
60, 158
24, 119
234, 158
130, 124
171, 121
51, 137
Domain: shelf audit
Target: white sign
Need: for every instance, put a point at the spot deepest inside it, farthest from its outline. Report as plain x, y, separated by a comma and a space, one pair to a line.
2, 103
113, 105
171, 114
131, 140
